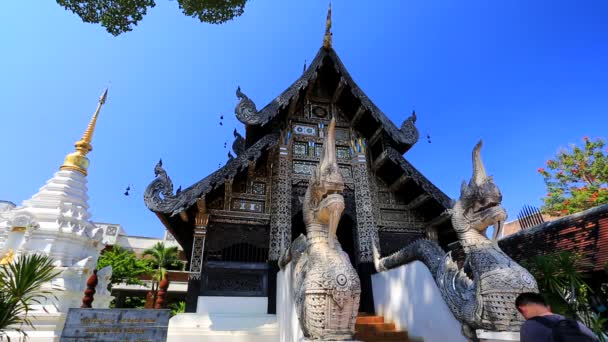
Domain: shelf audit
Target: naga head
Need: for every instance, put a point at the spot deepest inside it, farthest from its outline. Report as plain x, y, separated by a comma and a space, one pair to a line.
480, 200
326, 183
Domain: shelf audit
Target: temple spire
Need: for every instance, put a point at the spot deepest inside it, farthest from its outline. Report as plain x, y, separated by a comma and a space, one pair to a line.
78, 160
327, 38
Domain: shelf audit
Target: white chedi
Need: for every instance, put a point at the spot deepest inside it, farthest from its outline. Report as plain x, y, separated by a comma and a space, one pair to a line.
56, 222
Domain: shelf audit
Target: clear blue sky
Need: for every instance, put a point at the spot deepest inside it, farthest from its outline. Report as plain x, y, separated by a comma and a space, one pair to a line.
526, 76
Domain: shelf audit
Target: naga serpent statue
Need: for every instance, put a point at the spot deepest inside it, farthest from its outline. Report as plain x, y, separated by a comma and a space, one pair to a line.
326, 287
486, 300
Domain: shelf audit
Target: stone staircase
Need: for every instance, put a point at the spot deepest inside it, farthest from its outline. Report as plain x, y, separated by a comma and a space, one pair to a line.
371, 328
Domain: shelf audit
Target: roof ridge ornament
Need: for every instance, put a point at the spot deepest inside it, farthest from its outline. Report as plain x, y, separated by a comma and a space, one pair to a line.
78, 160
327, 42
246, 110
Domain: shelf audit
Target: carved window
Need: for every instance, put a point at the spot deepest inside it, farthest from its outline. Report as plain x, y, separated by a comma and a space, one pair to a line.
318, 150
343, 152
342, 134
259, 188
346, 171
300, 149
239, 204
319, 111
112, 230
303, 168
305, 130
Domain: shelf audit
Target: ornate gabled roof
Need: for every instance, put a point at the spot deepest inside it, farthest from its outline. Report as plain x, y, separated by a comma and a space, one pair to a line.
246, 112
173, 204
420, 179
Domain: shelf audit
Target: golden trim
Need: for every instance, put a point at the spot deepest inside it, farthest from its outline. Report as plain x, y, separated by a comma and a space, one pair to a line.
18, 229
78, 160
8, 257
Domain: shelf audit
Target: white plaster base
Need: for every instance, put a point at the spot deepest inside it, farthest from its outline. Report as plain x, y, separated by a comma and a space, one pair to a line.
192, 327
303, 339
289, 325
497, 336
48, 327
232, 305
409, 297
225, 319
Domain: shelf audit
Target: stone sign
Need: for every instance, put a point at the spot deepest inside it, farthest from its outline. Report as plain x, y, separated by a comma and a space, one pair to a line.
134, 325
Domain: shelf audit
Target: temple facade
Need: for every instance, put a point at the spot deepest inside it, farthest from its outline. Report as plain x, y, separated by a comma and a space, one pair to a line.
236, 223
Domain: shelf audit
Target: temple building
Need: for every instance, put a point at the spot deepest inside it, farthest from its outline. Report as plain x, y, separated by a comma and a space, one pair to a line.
235, 223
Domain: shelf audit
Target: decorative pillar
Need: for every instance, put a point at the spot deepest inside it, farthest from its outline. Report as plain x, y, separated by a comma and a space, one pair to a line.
161, 296
87, 300
196, 259
250, 176
228, 193
280, 219
366, 224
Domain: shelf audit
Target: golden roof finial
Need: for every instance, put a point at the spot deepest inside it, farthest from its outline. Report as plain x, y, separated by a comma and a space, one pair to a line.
78, 160
327, 39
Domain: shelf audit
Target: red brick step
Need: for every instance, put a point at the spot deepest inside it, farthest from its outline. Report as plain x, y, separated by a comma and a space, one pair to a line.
370, 328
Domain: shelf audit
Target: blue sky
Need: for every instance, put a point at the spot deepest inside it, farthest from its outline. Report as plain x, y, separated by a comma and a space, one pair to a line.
526, 76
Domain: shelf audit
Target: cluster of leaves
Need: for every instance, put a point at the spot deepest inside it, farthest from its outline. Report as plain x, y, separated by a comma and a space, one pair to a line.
177, 308
576, 179
21, 286
119, 16
161, 258
134, 302
126, 267
565, 289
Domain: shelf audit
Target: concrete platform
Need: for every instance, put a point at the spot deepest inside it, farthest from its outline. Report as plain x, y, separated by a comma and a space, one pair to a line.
191, 327
241, 319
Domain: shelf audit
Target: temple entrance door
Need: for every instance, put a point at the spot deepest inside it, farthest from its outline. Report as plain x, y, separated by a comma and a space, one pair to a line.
346, 228
297, 226
345, 233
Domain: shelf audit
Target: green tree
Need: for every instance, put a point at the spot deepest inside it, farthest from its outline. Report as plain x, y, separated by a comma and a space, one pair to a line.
119, 16
576, 179
21, 284
162, 258
126, 267
565, 288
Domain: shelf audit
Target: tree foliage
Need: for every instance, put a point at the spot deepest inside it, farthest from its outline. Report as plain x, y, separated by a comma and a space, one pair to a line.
576, 179
120, 16
21, 284
566, 290
162, 258
126, 267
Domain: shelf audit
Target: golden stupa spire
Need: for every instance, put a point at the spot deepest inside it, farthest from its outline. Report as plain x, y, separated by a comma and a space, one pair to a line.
78, 160
327, 38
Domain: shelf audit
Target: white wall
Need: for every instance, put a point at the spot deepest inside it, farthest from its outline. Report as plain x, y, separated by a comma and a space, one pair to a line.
209, 305
409, 297
289, 327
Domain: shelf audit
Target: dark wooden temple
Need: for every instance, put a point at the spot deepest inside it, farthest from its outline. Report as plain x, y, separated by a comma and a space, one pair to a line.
236, 222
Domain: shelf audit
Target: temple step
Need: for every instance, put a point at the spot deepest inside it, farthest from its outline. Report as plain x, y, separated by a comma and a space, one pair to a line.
371, 328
